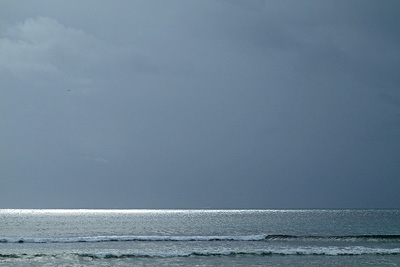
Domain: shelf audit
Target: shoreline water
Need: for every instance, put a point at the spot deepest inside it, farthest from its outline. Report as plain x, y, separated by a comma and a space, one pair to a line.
203, 237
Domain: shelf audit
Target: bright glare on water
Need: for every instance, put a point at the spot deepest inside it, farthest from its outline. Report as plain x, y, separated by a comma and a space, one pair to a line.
203, 237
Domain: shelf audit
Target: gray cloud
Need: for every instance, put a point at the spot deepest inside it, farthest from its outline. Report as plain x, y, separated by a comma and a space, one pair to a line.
228, 104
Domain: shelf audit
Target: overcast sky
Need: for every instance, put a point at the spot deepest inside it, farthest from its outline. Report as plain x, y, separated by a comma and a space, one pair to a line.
199, 104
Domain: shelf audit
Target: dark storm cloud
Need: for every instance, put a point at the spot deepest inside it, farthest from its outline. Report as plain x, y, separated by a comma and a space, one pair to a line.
228, 104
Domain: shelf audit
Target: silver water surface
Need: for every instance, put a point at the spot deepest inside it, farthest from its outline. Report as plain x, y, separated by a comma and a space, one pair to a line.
199, 237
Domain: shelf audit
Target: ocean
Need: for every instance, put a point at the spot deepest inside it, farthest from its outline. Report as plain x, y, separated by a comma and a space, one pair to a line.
32, 237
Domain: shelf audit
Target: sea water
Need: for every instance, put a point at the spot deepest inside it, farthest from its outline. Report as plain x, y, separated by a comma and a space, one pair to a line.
199, 237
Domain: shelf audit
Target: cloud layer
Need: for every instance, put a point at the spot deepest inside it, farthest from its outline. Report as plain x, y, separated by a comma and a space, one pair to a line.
228, 104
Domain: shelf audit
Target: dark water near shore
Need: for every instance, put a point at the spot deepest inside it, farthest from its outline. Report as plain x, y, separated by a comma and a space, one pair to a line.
200, 237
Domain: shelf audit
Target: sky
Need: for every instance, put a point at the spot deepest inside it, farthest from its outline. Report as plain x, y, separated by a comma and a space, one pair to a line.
199, 104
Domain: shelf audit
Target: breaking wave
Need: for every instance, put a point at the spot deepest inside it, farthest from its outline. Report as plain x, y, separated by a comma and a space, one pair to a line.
315, 251
380, 238
328, 251
131, 238
92, 239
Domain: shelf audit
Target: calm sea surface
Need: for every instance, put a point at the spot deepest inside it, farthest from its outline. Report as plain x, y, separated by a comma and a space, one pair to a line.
200, 237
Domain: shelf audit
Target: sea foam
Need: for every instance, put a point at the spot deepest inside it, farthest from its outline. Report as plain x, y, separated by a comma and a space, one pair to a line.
261, 237
130, 238
316, 251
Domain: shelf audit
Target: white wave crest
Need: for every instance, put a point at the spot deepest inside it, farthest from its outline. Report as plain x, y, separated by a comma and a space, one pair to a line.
130, 238
317, 251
